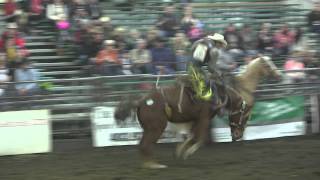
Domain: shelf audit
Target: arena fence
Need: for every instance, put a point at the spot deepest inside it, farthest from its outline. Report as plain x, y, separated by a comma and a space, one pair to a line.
71, 100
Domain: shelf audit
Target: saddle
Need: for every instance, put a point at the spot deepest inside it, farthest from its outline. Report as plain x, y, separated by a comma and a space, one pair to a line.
191, 91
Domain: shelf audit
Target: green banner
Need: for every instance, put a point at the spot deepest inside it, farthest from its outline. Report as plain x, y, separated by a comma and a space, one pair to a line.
288, 109
276, 110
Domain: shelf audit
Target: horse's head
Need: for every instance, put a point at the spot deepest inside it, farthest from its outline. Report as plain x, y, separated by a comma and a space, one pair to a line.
238, 121
237, 130
268, 68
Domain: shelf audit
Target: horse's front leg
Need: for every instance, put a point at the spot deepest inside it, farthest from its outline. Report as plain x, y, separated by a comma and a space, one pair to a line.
181, 147
200, 134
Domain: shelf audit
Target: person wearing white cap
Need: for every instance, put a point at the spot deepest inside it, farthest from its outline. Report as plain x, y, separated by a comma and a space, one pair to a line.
205, 52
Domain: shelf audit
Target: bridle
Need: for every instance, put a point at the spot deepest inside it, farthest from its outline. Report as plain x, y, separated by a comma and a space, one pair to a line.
243, 111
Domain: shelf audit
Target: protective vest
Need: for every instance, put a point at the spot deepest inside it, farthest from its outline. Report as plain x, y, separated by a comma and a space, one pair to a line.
201, 51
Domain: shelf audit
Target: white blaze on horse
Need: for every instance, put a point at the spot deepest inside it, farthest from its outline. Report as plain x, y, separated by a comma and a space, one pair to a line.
172, 104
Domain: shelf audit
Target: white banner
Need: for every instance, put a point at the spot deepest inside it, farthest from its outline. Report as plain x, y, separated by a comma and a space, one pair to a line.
107, 133
25, 132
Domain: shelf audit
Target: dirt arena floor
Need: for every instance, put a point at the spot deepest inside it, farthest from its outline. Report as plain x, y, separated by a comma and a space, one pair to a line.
296, 158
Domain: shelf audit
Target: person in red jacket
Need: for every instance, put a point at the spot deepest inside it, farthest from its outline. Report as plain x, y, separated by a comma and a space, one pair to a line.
9, 8
13, 46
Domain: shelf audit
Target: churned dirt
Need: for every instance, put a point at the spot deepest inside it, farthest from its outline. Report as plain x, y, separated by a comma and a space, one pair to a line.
294, 158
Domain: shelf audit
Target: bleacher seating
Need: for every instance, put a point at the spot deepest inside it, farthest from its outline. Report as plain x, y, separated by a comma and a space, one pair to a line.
73, 100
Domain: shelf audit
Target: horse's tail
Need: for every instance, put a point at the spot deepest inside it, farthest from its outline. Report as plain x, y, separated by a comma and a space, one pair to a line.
125, 108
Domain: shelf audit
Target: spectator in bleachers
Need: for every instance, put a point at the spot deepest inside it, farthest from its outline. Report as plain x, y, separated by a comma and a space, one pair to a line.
120, 36
25, 72
74, 5
249, 39
300, 40
234, 40
3, 74
57, 10
187, 19
35, 10
79, 21
90, 44
141, 58
312, 61
107, 60
168, 23
83, 40
22, 20
163, 58
295, 62
13, 45
9, 8
180, 45
126, 63
195, 32
314, 18
265, 39
58, 13
106, 24
94, 9
283, 40
151, 37
134, 36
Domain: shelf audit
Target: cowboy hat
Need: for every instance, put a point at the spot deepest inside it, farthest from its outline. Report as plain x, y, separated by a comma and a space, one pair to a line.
105, 19
109, 42
12, 26
219, 38
120, 29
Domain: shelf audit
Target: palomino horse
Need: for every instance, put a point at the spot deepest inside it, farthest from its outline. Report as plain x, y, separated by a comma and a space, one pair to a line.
241, 95
177, 106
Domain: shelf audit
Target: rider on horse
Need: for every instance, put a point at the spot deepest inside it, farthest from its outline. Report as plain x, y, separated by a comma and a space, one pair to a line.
205, 52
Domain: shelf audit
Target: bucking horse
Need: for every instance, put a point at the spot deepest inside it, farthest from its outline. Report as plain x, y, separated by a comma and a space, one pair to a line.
176, 104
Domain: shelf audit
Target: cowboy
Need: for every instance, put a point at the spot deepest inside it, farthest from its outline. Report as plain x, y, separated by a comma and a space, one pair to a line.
205, 52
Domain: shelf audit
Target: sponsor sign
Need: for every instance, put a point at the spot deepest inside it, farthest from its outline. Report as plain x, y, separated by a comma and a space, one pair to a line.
270, 119
106, 132
25, 132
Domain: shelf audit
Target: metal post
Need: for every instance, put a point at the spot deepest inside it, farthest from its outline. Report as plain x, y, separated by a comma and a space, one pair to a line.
315, 125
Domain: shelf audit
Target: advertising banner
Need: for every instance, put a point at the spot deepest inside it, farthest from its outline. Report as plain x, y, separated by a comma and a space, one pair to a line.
106, 132
25, 132
269, 119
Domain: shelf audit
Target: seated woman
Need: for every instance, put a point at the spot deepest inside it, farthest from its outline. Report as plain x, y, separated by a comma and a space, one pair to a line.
141, 58
25, 72
293, 63
107, 60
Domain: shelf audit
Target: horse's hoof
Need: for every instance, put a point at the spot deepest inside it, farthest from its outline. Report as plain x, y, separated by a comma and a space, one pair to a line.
191, 150
153, 165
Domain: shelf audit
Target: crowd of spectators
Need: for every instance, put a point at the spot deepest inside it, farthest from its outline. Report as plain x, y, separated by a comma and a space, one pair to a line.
161, 49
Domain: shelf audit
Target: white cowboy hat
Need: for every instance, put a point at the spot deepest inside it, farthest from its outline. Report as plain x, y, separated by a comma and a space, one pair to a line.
219, 38
109, 42
12, 26
104, 19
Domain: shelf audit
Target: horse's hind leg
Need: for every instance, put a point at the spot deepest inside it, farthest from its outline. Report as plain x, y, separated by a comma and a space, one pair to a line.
153, 128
